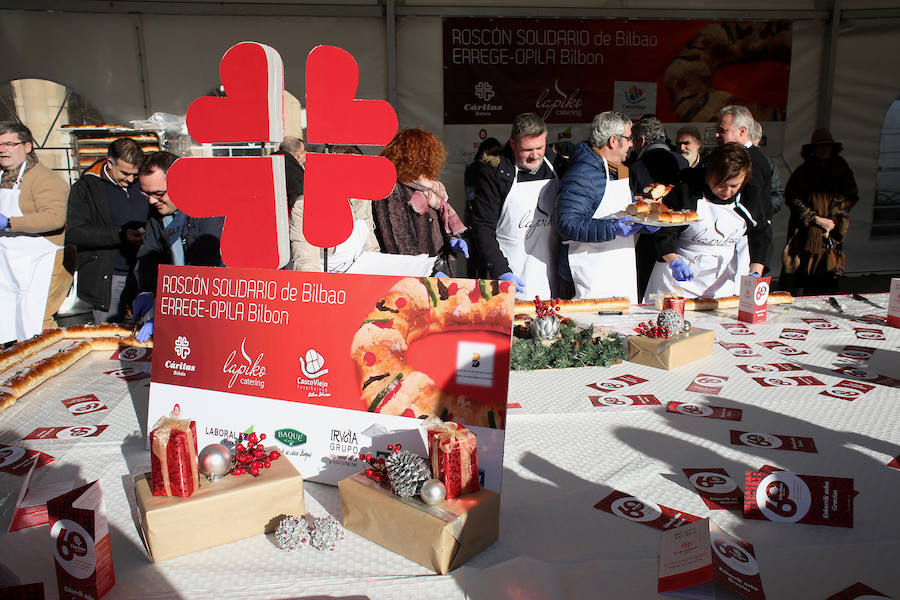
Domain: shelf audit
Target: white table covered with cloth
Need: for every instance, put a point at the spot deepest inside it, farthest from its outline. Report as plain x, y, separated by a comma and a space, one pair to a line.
563, 454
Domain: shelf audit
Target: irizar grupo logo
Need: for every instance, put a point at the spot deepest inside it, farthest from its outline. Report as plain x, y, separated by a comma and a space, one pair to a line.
290, 437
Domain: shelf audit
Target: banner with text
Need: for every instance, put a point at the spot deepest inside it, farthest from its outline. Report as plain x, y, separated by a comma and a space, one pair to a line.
568, 70
330, 365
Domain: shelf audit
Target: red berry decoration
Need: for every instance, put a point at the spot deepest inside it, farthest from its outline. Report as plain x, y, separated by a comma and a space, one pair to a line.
247, 458
546, 309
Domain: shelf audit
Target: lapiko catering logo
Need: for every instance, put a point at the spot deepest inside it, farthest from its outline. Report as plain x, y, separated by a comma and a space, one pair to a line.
182, 350
312, 365
250, 371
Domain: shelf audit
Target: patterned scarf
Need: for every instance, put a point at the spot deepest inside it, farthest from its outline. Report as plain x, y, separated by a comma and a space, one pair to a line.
433, 193
9, 177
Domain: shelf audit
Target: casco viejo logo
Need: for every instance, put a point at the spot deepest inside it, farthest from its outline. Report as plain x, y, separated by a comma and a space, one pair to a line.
290, 437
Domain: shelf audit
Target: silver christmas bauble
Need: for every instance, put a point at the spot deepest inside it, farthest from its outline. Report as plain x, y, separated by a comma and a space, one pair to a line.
214, 461
433, 491
545, 328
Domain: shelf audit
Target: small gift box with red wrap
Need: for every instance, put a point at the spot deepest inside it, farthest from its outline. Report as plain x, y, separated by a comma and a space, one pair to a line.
173, 457
453, 453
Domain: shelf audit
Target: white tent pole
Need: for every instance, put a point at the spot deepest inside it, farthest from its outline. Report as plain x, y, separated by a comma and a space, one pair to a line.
828, 65
390, 19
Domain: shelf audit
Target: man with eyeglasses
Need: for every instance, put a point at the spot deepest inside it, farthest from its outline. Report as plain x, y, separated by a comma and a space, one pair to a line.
105, 223
33, 281
172, 238
688, 143
600, 246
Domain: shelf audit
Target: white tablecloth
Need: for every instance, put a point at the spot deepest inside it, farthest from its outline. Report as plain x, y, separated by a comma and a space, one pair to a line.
563, 455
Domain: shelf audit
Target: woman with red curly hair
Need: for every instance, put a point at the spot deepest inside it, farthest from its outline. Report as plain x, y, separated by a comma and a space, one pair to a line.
417, 217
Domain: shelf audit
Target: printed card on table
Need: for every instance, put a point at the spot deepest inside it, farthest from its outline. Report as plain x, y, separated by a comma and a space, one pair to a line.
895, 463
739, 349
702, 410
129, 373
791, 333
847, 390
132, 354
16, 460
79, 533
855, 372
622, 504
770, 368
82, 405
65, 433
786, 497
707, 384
617, 383
876, 319
697, 559
817, 323
893, 311
869, 333
31, 506
857, 591
625, 400
857, 352
771, 441
716, 488
782, 348
787, 381
737, 329
28, 591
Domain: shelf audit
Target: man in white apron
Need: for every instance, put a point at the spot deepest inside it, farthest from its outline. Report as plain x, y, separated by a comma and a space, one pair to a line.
32, 226
514, 212
600, 245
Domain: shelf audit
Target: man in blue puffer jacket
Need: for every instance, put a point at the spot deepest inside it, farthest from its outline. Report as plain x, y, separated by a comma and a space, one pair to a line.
594, 189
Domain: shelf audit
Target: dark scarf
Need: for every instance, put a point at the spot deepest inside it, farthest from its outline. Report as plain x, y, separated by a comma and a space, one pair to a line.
9, 177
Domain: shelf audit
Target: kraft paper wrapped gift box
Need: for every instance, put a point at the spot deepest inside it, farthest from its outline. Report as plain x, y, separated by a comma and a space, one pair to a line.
440, 537
233, 508
670, 353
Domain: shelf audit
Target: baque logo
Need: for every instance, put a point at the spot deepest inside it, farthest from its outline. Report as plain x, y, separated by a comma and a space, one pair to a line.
484, 91
290, 437
566, 105
182, 347
251, 372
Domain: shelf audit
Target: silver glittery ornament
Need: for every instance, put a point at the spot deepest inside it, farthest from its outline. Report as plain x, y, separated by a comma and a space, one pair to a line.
214, 461
433, 491
545, 328
673, 321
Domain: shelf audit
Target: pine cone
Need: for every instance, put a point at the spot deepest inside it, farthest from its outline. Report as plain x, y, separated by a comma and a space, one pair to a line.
671, 319
407, 472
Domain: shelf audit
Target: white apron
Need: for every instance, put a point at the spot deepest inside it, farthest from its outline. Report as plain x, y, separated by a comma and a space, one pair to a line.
606, 269
526, 233
714, 247
26, 265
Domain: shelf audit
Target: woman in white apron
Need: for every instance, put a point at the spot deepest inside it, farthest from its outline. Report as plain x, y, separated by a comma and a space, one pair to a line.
26, 267
526, 234
707, 258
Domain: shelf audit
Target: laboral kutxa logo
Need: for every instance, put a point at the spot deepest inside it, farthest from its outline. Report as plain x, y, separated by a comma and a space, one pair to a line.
245, 370
312, 367
182, 348
290, 437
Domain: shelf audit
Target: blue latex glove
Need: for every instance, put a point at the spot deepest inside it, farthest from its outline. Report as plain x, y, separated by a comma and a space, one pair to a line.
440, 274
624, 227
460, 246
680, 270
651, 228
146, 332
4, 222
142, 304
753, 274
520, 285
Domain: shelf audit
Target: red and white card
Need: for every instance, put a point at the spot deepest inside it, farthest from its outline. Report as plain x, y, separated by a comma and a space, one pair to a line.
857, 591
847, 390
771, 441
82, 405
65, 433
702, 410
817, 323
739, 349
858, 373
132, 354
770, 368
791, 333
753, 299
785, 497
716, 488
79, 533
704, 383
869, 333
617, 383
895, 463
129, 373
782, 348
28, 591
625, 400
893, 311
16, 460
857, 352
699, 558
800, 380
737, 329
622, 504
31, 505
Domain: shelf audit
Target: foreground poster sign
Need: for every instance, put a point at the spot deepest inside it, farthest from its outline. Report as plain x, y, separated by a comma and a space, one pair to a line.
329, 365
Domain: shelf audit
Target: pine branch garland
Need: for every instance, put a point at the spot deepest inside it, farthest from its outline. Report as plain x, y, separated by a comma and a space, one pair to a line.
575, 347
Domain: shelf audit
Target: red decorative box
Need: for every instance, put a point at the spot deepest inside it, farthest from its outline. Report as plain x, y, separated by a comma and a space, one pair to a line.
453, 452
173, 458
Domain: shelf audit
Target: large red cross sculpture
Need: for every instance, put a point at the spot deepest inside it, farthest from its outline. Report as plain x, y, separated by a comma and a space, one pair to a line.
250, 191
